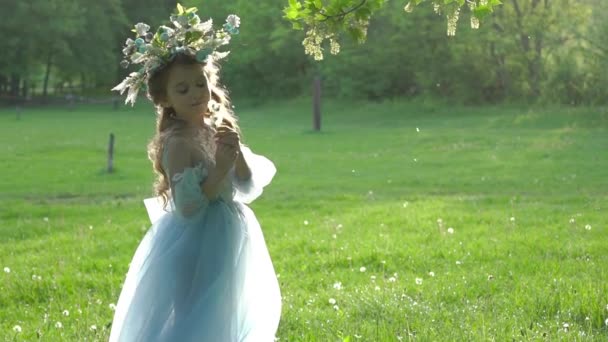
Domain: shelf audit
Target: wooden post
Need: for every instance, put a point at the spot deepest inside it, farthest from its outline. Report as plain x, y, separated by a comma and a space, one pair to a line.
316, 106
111, 154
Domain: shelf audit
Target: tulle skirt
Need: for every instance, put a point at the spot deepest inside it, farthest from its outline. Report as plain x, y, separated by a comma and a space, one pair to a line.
208, 279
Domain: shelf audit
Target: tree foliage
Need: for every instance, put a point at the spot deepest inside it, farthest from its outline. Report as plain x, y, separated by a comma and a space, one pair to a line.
327, 21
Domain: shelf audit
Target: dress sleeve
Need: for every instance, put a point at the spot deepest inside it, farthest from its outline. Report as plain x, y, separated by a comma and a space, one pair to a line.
185, 179
262, 172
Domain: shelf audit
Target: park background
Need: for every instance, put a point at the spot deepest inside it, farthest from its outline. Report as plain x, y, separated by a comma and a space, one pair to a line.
457, 188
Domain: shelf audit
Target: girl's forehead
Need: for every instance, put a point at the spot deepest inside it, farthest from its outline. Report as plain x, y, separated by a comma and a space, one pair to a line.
185, 72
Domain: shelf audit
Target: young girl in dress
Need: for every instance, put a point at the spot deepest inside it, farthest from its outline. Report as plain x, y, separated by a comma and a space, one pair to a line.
202, 272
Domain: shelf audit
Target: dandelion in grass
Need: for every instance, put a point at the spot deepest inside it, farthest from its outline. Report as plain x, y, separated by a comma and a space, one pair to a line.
66, 313
458, 262
392, 279
93, 327
450, 230
512, 219
46, 219
372, 278
58, 325
336, 308
405, 204
332, 301
432, 274
17, 329
418, 281
7, 270
566, 327
377, 288
362, 269
572, 220
490, 277
306, 222
338, 285
112, 306
588, 227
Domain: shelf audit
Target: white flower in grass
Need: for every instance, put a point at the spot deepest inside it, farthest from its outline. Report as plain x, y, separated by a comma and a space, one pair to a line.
512, 219
588, 227
458, 262
377, 288
112, 306
58, 325
450, 230
338, 285
432, 274
66, 313
98, 301
332, 301
46, 219
392, 279
93, 327
372, 278
572, 220
566, 326
306, 222
418, 281
17, 329
7, 270
336, 308
362, 269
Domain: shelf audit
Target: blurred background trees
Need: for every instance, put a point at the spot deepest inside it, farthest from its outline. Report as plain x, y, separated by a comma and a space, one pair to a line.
526, 50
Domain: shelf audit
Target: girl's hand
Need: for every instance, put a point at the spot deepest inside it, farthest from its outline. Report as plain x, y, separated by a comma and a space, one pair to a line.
228, 146
226, 134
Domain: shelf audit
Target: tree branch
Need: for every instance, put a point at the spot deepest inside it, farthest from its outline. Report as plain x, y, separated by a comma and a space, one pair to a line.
342, 14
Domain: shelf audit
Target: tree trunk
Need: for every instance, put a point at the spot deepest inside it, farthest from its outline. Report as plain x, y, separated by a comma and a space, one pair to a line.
49, 63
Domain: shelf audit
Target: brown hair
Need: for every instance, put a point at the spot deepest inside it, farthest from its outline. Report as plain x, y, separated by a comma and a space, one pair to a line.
165, 119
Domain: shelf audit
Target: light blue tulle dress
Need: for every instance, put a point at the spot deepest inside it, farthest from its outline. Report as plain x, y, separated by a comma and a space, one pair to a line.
202, 272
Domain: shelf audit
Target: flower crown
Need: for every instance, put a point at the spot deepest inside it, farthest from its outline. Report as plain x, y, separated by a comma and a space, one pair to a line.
188, 36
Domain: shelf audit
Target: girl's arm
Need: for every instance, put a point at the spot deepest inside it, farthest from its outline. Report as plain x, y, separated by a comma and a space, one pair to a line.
212, 185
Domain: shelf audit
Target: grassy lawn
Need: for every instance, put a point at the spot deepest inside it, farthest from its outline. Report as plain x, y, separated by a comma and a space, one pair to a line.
400, 221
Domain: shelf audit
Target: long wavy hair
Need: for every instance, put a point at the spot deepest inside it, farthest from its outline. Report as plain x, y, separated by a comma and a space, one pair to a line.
166, 122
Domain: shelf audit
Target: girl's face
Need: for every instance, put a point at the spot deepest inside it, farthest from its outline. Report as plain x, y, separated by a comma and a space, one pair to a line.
187, 91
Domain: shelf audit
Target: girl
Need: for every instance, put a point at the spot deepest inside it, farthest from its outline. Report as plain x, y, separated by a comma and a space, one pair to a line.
202, 272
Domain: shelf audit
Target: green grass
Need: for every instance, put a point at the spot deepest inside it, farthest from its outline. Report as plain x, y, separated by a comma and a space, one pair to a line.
524, 191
